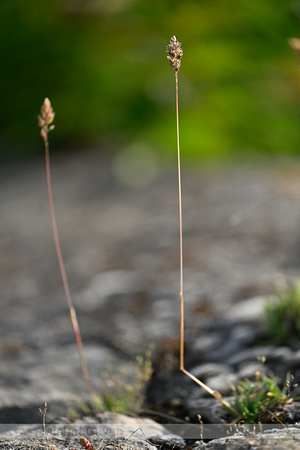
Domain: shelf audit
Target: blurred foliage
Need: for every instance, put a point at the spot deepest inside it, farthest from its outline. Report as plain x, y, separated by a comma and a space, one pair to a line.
103, 65
282, 314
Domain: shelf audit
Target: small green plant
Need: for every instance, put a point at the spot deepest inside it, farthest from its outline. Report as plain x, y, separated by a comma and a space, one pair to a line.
127, 398
261, 400
124, 388
282, 314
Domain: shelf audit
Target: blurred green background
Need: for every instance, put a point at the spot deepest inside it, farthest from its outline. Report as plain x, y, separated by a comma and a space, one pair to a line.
103, 65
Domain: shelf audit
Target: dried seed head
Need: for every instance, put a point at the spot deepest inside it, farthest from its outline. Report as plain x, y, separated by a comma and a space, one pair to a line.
47, 113
46, 118
175, 53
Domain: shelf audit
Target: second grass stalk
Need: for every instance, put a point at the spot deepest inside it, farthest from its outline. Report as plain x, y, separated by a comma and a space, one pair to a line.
175, 53
45, 121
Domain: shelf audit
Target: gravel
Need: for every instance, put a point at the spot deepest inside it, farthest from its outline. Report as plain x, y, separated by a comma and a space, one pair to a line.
120, 246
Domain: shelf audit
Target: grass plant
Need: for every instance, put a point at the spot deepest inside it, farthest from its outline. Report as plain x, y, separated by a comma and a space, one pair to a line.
46, 119
261, 400
126, 398
263, 397
118, 395
174, 55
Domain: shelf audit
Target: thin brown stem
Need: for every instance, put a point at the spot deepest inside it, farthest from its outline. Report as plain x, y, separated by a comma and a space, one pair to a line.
180, 233
179, 186
64, 275
215, 394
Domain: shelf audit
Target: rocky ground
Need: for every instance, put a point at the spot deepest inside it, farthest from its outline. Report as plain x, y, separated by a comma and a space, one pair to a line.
119, 238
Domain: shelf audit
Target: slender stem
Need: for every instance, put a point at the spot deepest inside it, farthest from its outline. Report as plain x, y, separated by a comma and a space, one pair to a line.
179, 187
64, 275
43, 412
175, 53
180, 234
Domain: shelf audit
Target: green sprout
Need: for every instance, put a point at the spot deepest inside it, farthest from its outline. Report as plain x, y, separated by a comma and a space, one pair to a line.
282, 315
127, 398
261, 400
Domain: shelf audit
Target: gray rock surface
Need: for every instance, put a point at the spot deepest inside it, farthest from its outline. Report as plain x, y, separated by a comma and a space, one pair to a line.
120, 246
279, 440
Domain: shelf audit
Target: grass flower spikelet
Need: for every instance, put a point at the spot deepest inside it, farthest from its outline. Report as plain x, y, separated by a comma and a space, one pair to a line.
175, 53
46, 118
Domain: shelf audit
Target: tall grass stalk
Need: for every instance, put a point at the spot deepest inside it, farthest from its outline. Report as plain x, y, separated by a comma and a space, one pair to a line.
174, 55
46, 123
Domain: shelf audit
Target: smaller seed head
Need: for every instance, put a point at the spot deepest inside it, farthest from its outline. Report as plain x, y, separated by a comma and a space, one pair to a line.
46, 118
47, 113
175, 53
